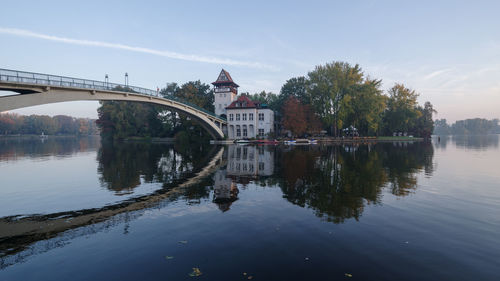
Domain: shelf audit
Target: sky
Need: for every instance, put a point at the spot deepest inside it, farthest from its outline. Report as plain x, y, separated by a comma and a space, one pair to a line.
447, 51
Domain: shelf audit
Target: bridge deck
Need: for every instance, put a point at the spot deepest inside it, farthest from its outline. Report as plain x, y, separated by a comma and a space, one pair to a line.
32, 78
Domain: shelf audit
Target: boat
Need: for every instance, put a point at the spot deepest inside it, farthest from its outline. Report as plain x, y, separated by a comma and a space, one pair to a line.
301, 142
242, 141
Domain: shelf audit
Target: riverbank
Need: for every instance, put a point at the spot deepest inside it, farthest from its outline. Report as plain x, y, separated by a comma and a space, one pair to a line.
343, 140
146, 139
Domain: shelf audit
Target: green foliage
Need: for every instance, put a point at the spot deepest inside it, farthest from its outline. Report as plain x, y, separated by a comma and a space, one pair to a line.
341, 96
402, 110
119, 120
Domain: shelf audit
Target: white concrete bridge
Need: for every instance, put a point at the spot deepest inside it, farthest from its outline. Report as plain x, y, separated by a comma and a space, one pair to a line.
37, 89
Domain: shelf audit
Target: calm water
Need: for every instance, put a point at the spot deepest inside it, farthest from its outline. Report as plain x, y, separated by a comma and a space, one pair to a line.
79, 209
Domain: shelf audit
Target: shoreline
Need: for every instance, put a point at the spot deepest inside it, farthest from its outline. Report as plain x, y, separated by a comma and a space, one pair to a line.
343, 140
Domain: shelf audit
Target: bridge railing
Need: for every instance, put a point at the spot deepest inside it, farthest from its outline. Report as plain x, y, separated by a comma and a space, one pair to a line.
62, 81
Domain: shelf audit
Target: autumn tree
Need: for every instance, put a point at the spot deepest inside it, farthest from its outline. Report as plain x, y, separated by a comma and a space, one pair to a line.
294, 117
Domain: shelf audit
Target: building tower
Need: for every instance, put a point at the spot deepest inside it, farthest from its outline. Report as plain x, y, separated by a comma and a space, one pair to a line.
225, 92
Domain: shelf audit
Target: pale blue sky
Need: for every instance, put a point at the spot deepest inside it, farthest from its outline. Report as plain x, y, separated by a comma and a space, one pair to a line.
448, 51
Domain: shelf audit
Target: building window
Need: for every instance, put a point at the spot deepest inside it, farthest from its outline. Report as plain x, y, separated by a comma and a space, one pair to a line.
224, 95
261, 116
225, 105
231, 117
220, 95
244, 116
250, 116
261, 150
237, 117
261, 166
261, 132
238, 131
244, 132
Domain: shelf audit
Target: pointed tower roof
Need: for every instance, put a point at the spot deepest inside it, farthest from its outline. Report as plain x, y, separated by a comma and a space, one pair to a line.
224, 79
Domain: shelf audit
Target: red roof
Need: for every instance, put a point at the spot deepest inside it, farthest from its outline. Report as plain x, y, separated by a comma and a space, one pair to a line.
225, 79
242, 102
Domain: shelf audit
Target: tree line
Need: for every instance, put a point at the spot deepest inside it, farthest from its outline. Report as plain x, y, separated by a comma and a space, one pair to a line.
13, 124
476, 126
338, 97
335, 98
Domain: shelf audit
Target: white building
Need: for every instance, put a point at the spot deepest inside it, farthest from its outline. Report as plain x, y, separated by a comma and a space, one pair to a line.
246, 118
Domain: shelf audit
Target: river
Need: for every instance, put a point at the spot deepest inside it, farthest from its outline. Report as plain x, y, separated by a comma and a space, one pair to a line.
84, 209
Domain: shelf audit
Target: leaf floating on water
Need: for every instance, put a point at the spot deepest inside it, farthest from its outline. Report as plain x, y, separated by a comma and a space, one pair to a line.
183, 241
244, 273
306, 259
348, 275
169, 257
196, 272
250, 277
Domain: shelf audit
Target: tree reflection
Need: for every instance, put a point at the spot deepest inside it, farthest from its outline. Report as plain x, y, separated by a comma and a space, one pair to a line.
338, 181
124, 166
16, 148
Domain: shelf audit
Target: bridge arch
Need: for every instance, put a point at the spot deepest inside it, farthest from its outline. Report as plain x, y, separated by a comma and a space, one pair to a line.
34, 91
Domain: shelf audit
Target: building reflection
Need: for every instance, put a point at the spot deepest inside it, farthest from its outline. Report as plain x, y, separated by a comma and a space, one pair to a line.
244, 164
225, 190
249, 161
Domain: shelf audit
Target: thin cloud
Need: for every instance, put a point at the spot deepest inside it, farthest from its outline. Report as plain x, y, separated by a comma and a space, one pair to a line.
167, 54
436, 73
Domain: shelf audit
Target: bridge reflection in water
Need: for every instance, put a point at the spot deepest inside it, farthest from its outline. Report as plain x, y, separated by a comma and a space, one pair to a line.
336, 182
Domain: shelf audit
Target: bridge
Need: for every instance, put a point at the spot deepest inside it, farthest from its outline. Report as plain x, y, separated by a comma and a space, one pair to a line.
37, 89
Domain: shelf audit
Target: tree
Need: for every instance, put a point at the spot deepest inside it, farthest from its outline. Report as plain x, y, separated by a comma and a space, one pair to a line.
441, 127
328, 86
295, 87
294, 117
425, 123
401, 110
363, 108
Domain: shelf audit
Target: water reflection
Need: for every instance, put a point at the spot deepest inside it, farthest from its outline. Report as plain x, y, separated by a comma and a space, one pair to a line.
125, 166
479, 142
17, 148
336, 182
192, 167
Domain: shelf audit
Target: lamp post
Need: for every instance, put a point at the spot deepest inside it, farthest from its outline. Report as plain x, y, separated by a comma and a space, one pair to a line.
106, 80
126, 79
